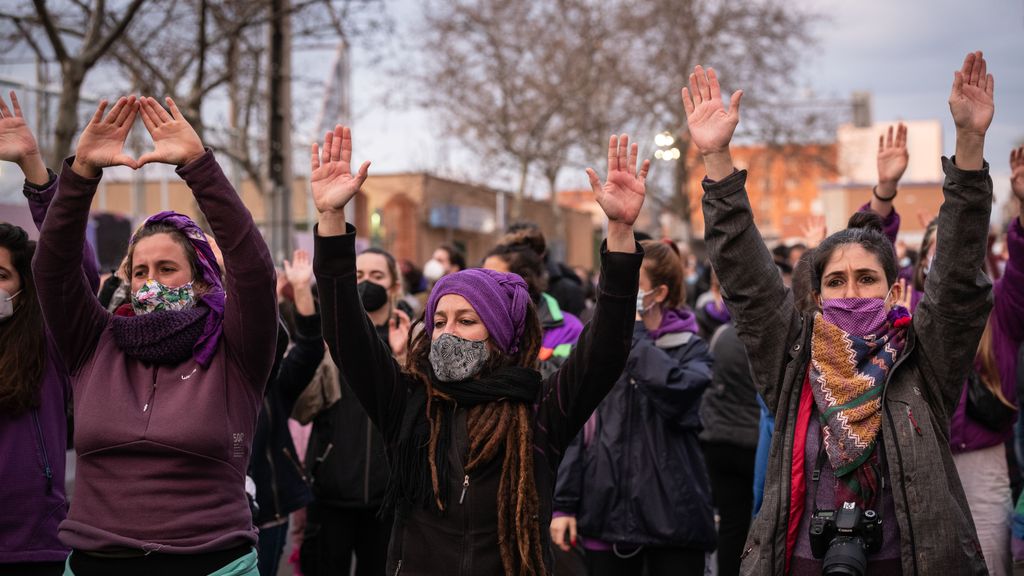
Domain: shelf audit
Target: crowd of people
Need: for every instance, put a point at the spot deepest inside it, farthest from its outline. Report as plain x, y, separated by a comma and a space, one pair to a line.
846, 404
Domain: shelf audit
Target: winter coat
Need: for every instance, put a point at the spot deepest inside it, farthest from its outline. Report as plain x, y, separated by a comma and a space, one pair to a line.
729, 409
281, 483
636, 475
33, 444
464, 541
937, 533
346, 458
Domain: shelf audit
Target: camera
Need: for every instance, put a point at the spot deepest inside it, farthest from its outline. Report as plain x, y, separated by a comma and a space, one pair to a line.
844, 538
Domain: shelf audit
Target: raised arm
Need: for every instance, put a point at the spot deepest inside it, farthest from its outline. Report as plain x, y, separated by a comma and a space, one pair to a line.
573, 392
762, 307
73, 315
18, 145
250, 313
950, 318
363, 359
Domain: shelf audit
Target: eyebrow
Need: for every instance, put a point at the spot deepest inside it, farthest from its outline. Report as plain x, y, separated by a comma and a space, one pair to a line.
158, 263
457, 312
857, 271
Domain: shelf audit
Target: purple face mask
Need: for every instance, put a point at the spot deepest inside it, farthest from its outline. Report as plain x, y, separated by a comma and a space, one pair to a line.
858, 316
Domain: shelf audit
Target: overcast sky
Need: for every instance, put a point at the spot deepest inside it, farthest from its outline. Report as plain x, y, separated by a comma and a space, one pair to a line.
902, 51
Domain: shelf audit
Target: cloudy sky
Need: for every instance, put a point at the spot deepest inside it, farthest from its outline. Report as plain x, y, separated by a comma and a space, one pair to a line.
903, 52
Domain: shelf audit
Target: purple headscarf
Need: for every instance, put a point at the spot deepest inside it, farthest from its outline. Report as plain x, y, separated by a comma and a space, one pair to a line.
499, 298
206, 346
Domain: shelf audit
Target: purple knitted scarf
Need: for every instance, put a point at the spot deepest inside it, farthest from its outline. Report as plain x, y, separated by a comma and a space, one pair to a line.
165, 338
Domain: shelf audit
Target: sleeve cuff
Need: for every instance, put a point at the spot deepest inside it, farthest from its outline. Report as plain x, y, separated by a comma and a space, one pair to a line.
198, 168
731, 184
557, 514
308, 327
964, 177
36, 191
76, 184
620, 272
334, 256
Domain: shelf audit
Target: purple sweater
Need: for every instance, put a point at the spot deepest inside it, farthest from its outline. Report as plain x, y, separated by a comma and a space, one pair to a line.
162, 450
33, 444
965, 434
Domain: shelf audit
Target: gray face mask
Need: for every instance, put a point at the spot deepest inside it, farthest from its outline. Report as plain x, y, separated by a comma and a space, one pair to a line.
7, 304
455, 359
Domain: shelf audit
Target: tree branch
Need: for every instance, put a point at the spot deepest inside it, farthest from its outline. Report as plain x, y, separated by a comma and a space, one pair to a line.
92, 54
46, 19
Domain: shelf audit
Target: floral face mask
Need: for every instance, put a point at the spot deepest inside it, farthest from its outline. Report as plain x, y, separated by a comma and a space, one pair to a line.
156, 297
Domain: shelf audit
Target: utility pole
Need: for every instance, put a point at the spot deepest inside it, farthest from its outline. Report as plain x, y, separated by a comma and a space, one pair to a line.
279, 141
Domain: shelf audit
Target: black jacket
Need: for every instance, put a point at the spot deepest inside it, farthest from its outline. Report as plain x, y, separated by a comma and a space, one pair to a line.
465, 540
281, 485
637, 475
567, 288
730, 412
346, 453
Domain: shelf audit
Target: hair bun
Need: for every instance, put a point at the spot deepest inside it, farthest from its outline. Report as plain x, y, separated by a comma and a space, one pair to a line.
867, 221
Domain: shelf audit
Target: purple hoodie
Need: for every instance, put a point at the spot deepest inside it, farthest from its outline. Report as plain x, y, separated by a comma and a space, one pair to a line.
163, 450
965, 434
33, 444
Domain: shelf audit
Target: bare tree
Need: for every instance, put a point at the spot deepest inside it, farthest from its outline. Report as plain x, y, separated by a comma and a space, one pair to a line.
755, 44
518, 82
78, 35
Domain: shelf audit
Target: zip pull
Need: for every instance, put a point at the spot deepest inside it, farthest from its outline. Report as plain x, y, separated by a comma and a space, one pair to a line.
465, 486
917, 428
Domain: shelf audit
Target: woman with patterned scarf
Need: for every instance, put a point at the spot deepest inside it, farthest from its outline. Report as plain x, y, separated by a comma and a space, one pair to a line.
862, 393
167, 389
474, 434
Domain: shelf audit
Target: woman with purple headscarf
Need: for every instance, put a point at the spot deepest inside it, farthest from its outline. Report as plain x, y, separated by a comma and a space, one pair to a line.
167, 389
474, 434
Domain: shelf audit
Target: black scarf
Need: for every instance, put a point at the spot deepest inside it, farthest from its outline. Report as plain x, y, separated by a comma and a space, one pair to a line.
166, 337
410, 482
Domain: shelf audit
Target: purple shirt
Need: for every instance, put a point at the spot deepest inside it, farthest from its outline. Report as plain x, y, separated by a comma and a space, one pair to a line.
163, 450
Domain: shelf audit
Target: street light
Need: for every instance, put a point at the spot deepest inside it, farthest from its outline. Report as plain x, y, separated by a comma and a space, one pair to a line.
664, 140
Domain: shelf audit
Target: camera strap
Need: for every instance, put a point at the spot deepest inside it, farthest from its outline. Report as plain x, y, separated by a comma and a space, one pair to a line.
819, 462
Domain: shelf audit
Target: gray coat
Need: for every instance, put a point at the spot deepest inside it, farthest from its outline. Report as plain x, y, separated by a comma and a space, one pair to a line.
937, 534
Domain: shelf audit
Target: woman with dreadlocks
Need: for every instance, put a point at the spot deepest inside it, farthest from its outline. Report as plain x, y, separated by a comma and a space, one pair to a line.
474, 434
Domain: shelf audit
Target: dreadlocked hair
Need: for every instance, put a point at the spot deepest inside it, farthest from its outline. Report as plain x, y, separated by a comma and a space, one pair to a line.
496, 429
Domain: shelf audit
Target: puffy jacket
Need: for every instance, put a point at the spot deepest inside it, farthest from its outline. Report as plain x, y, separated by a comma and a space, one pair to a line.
346, 457
639, 477
937, 534
729, 409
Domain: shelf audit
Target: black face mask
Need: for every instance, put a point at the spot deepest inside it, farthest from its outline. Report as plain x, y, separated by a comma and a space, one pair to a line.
373, 295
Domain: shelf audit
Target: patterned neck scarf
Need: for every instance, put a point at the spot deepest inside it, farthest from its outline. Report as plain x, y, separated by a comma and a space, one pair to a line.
847, 376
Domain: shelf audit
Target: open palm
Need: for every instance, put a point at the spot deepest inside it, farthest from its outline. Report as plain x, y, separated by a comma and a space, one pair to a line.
971, 101
1017, 177
892, 154
331, 179
711, 125
16, 139
102, 141
174, 139
622, 194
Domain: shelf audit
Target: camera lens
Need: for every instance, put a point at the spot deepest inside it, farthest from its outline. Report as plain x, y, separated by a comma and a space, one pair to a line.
845, 557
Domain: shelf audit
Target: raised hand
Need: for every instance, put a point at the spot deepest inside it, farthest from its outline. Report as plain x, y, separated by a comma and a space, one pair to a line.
174, 139
814, 230
711, 125
971, 101
299, 271
16, 139
331, 180
102, 142
892, 158
398, 334
18, 145
622, 194
1017, 174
